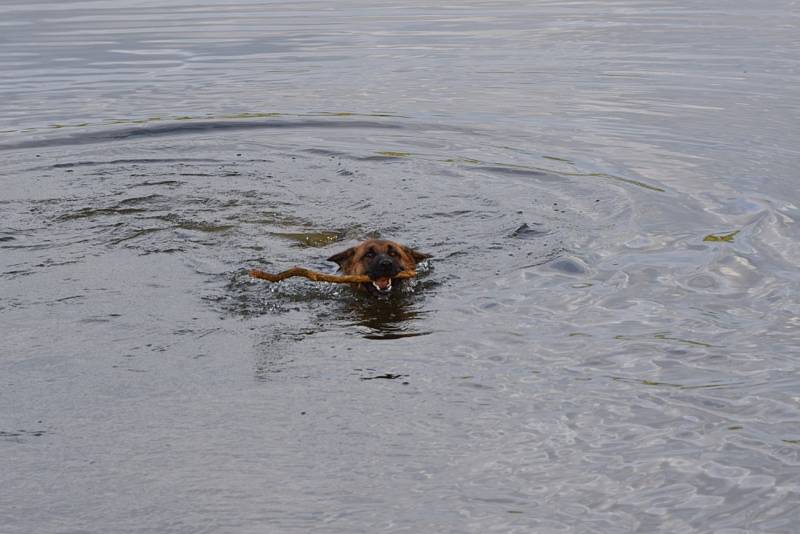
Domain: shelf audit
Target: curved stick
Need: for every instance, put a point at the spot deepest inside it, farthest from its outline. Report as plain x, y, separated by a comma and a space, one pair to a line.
317, 276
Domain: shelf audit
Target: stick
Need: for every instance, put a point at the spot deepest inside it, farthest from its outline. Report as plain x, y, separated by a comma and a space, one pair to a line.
317, 276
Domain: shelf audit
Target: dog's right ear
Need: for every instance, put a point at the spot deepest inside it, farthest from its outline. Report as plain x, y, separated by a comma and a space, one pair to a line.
343, 258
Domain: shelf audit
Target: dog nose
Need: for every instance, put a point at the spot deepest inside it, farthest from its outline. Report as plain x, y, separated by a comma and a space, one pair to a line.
385, 262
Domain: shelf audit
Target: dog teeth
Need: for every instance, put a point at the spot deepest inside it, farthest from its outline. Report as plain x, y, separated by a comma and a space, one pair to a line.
387, 288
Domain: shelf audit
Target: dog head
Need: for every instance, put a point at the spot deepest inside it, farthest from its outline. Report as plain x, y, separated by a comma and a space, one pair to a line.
381, 260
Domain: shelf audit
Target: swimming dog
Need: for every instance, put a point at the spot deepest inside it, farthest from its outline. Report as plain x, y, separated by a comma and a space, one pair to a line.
380, 259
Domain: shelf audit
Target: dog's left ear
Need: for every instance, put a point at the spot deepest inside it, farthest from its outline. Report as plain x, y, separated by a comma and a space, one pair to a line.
343, 258
416, 255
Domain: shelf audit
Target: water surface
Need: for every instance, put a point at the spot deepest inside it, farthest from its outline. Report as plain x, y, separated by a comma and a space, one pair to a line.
606, 338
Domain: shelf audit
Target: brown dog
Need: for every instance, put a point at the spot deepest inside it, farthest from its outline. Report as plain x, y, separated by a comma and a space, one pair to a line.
381, 260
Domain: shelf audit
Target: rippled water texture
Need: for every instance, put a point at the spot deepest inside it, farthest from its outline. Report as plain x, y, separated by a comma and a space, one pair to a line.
606, 339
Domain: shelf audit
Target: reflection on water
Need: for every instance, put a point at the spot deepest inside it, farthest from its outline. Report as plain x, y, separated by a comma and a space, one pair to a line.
605, 340
391, 318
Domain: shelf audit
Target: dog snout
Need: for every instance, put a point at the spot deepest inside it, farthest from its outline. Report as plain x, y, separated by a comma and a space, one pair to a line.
384, 266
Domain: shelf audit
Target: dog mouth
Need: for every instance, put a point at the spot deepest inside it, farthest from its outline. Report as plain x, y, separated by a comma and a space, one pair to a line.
382, 284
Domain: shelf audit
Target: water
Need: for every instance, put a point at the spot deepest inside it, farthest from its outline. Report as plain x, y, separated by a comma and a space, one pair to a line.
606, 339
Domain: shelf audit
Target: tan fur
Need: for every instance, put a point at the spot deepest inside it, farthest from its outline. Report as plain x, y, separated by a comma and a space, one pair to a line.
360, 259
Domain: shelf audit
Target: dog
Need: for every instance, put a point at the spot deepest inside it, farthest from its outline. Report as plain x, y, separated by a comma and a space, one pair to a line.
381, 260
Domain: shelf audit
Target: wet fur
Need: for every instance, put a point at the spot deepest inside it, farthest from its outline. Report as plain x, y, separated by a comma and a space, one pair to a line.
378, 259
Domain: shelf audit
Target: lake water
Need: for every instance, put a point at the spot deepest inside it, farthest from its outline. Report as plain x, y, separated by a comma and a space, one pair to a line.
606, 340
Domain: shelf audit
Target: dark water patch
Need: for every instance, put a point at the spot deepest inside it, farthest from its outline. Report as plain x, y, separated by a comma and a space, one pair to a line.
385, 376
663, 336
17, 272
159, 183
198, 226
316, 151
516, 171
377, 158
556, 158
19, 436
134, 234
191, 127
395, 317
141, 161
90, 213
70, 298
686, 386
141, 200
56, 263
245, 297
162, 250
388, 335
96, 319
465, 214
631, 181
128, 206
526, 231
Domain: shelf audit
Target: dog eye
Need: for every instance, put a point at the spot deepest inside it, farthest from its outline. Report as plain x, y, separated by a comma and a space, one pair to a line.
370, 254
392, 252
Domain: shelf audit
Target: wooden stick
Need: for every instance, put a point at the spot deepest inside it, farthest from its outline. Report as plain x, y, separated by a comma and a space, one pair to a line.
317, 276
